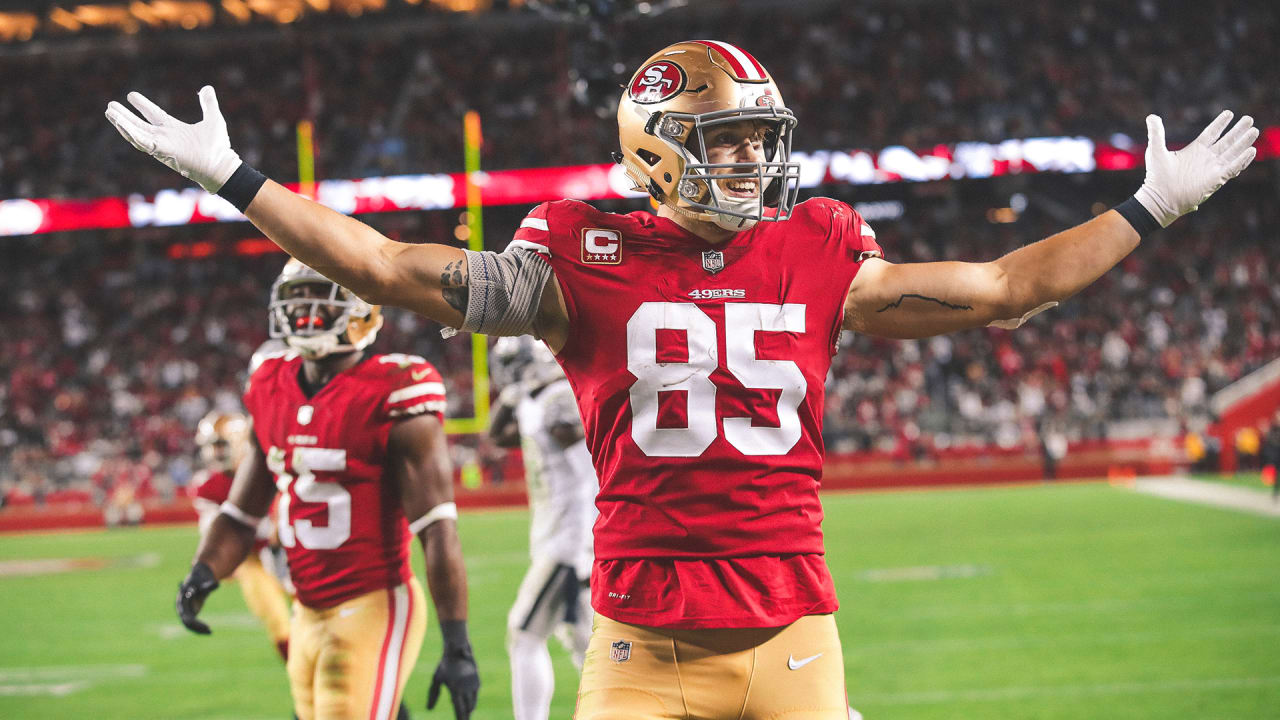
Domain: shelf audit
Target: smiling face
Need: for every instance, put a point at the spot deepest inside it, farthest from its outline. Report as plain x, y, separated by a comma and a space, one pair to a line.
731, 143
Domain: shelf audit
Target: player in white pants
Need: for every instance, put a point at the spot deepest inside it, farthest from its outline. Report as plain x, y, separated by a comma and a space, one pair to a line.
537, 410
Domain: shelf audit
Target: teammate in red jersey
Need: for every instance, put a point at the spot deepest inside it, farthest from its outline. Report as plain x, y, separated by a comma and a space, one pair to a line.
223, 440
697, 341
354, 444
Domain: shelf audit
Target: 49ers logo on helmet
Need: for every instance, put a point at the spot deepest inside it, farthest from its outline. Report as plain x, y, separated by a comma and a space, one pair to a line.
657, 81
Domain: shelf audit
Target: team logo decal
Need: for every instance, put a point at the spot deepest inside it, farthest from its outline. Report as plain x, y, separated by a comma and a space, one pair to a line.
657, 81
620, 651
712, 261
601, 247
305, 413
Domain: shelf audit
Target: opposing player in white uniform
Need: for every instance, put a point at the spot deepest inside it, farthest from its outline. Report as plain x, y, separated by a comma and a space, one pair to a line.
537, 411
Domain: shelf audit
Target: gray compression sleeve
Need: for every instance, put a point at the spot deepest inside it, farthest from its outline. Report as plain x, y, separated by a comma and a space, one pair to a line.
504, 291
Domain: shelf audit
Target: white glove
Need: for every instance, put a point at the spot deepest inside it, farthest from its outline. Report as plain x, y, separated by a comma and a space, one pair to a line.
201, 152
1177, 182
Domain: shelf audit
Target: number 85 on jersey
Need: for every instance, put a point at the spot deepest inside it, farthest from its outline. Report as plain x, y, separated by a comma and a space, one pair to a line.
693, 377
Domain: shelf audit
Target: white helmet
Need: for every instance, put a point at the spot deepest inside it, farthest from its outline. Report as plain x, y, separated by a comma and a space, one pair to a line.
521, 359
311, 333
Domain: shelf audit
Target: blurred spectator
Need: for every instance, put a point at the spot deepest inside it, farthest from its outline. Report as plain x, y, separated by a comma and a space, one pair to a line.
113, 348
105, 378
387, 96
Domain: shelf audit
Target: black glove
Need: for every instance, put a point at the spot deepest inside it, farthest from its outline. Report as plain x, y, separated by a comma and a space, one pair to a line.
191, 594
456, 671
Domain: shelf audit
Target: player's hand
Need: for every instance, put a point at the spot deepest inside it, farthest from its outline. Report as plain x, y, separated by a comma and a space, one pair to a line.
456, 671
200, 151
1177, 182
191, 594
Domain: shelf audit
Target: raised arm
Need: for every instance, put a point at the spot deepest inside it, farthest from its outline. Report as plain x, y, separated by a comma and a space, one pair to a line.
431, 279
916, 300
419, 463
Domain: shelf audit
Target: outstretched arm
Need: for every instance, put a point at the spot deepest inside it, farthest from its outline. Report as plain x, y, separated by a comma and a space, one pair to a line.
419, 462
431, 279
915, 300
923, 299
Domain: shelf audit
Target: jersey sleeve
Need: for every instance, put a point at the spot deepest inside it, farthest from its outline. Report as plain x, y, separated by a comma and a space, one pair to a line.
857, 241
252, 389
534, 233
415, 388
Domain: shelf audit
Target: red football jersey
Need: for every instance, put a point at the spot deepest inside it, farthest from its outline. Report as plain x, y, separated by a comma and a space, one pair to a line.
209, 489
341, 525
699, 373
212, 486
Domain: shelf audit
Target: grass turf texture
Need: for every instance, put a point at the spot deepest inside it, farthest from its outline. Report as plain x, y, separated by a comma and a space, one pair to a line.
1073, 601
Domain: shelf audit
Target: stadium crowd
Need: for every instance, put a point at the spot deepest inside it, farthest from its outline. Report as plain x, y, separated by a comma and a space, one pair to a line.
116, 344
386, 94
108, 375
1192, 310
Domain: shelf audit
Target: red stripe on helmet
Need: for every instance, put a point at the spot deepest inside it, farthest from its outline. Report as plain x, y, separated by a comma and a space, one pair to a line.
734, 55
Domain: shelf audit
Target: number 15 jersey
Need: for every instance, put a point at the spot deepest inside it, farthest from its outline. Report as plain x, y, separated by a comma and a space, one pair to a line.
339, 510
699, 373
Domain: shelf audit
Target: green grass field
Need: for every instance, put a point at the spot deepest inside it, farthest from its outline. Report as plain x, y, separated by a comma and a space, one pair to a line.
1073, 601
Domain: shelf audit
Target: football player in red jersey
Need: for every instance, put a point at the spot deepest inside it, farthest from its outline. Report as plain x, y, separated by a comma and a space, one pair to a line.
354, 444
223, 440
697, 341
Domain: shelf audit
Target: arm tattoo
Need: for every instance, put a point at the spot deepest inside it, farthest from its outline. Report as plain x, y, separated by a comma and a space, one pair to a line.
454, 285
943, 303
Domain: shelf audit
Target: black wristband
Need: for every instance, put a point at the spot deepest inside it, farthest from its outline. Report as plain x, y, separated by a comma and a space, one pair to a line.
1137, 216
242, 186
455, 635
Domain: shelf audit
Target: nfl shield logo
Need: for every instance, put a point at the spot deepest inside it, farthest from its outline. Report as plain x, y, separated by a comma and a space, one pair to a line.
620, 651
305, 413
712, 261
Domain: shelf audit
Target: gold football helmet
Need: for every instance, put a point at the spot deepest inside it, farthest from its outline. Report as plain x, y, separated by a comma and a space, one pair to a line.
672, 100
319, 324
223, 439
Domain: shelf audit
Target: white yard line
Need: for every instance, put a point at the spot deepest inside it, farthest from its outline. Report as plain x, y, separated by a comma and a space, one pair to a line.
51, 689
61, 680
1230, 497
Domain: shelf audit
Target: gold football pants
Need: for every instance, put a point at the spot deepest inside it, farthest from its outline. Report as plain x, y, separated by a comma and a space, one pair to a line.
265, 597
351, 661
643, 673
